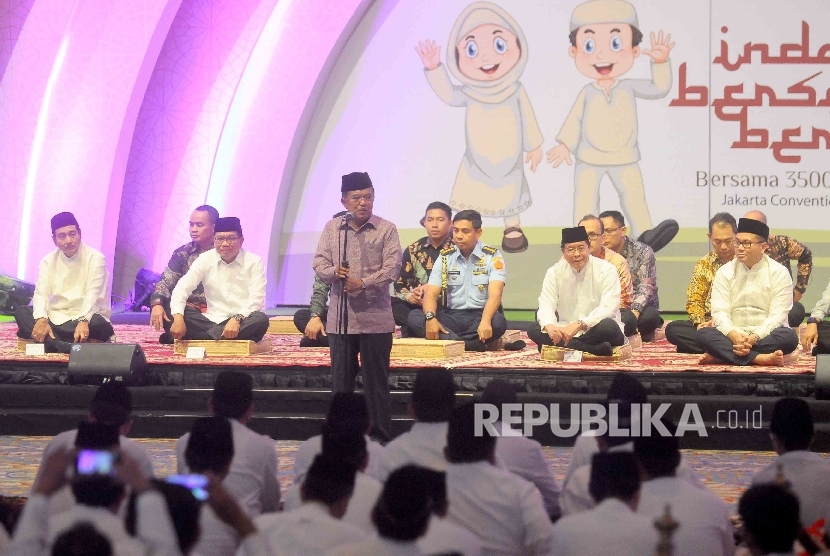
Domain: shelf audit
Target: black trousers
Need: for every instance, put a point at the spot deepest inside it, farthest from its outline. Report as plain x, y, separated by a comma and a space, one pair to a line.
462, 324
649, 321
374, 350
823, 343
199, 327
715, 343
682, 333
796, 314
400, 311
301, 319
606, 330
99, 329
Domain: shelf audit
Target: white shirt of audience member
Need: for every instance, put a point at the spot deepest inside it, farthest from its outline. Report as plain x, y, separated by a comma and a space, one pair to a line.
359, 511
809, 477
309, 529
423, 445
445, 537
379, 545
503, 510
611, 527
311, 448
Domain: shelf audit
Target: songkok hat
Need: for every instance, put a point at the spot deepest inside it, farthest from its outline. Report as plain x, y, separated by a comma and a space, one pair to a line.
573, 235
228, 224
63, 219
751, 226
355, 182
328, 469
604, 11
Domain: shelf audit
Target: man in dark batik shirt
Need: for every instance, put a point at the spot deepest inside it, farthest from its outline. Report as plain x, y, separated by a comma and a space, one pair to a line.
418, 259
783, 249
202, 222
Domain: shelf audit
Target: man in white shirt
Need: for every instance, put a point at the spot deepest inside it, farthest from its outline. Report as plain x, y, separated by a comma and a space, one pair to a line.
579, 307
751, 298
770, 520
433, 397
345, 406
70, 302
443, 536
522, 455
315, 527
503, 510
234, 285
253, 474
705, 528
99, 497
401, 515
611, 527
808, 474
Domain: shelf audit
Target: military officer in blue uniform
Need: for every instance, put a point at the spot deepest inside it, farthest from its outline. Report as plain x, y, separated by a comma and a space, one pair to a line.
464, 291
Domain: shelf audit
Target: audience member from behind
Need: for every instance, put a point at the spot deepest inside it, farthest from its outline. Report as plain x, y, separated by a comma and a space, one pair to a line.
615, 486
770, 519
433, 398
443, 536
500, 508
808, 474
519, 454
81, 540
315, 527
252, 479
98, 496
345, 406
184, 511
706, 529
401, 515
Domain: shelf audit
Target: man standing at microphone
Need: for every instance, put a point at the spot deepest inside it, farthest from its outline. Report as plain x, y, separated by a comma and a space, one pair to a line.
371, 262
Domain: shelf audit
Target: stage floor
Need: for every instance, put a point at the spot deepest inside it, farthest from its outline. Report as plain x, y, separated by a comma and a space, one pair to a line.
287, 364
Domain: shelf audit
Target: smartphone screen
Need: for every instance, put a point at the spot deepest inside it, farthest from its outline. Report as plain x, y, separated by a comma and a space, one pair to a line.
95, 462
196, 483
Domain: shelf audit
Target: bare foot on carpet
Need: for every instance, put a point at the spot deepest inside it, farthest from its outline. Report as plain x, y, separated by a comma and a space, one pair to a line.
774, 359
708, 359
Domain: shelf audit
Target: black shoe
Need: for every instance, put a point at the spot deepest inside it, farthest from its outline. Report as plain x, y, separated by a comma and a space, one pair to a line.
603, 350
660, 236
474, 345
56, 346
647, 336
518, 345
167, 338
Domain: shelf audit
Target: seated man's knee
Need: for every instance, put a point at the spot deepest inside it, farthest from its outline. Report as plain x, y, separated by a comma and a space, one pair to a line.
499, 324
301, 319
416, 322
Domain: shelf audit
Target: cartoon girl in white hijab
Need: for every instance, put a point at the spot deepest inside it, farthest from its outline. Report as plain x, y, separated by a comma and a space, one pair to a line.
489, 55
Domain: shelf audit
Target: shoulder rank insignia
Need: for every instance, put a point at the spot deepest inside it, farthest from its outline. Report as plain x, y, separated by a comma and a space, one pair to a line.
448, 250
488, 249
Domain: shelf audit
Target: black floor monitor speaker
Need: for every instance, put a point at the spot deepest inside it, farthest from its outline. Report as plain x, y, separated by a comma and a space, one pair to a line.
823, 377
100, 360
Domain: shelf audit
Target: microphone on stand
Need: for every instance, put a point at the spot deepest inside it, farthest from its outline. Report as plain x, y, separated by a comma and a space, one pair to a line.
348, 216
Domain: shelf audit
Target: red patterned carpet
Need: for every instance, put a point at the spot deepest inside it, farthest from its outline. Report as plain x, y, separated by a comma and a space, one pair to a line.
655, 357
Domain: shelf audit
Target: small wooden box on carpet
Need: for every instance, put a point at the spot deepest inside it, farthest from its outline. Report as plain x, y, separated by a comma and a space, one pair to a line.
556, 353
508, 337
420, 348
282, 325
224, 348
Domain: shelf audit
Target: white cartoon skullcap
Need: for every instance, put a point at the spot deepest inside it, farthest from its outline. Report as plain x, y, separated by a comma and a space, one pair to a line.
603, 11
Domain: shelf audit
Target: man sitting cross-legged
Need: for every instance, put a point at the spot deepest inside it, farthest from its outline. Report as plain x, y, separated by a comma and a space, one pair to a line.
751, 297
584, 292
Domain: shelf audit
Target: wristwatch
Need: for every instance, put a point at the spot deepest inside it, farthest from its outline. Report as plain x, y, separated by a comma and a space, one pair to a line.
83, 319
238, 317
316, 314
582, 325
429, 315
813, 320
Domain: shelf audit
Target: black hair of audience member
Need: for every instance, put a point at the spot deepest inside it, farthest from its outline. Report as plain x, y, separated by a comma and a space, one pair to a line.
233, 394
614, 475
349, 406
792, 424
437, 481
98, 491
345, 441
463, 446
210, 445
499, 392
184, 512
404, 507
329, 480
626, 388
770, 517
658, 455
82, 540
616, 215
433, 395
111, 404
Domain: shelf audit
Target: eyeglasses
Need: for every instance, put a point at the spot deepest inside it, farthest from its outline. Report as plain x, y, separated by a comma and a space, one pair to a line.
593, 236
582, 249
369, 197
609, 231
747, 244
228, 240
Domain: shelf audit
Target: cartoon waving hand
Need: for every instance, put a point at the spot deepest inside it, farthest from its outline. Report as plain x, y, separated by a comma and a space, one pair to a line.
660, 48
430, 54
